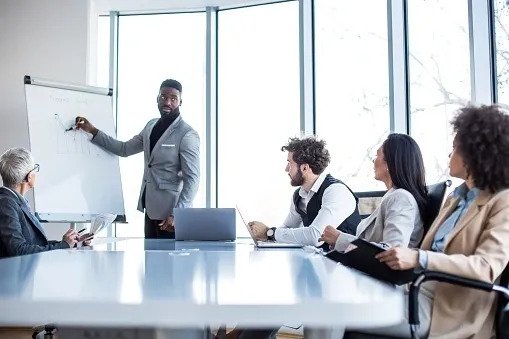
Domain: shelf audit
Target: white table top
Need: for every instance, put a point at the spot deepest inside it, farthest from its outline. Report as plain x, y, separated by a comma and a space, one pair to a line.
163, 283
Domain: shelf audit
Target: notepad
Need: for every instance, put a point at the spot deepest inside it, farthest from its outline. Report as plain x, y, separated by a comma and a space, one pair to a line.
362, 258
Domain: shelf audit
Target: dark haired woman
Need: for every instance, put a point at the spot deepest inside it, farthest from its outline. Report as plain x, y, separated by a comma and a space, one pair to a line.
470, 236
397, 221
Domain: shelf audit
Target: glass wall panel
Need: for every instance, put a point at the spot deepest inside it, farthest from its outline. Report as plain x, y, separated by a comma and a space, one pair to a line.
258, 108
439, 76
152, 48
502, 51
352, 88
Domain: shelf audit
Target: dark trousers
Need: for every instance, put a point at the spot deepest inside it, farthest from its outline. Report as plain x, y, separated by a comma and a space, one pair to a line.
153, 230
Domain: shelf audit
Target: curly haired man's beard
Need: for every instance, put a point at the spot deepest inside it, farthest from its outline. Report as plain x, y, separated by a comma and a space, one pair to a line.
298, 180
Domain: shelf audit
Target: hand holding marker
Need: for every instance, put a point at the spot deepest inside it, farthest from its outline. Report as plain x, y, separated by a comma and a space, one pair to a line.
85, 125
75, 126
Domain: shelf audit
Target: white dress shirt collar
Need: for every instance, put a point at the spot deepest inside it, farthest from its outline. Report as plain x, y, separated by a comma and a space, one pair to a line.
316, 186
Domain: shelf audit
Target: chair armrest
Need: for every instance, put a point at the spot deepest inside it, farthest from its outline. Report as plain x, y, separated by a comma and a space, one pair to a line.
413, 304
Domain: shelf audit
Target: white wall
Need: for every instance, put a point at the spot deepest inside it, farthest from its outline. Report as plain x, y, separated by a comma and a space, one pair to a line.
41, 38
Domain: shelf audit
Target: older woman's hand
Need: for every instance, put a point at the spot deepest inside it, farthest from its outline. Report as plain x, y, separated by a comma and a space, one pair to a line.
86, 239
400, 258
330, 235
70, 237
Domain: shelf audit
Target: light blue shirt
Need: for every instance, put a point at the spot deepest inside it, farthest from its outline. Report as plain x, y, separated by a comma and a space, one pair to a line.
465, 198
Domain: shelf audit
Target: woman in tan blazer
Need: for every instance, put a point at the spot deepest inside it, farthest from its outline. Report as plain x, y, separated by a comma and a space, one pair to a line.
470, 236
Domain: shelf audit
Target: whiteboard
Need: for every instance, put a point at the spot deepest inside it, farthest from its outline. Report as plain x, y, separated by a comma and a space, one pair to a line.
77, 179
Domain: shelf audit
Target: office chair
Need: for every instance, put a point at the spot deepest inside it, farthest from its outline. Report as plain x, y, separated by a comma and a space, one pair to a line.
435, 197
501, 316
368, 201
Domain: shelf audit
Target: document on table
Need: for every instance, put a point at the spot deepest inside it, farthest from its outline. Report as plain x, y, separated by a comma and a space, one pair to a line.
100, 221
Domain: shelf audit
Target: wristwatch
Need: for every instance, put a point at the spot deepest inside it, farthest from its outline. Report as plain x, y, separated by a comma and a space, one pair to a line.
271, 232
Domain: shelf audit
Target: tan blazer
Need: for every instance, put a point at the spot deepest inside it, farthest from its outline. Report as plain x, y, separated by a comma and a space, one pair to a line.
477, 248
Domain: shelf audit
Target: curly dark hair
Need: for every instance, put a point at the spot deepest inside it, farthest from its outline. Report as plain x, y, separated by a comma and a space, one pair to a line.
482, 139
309, 150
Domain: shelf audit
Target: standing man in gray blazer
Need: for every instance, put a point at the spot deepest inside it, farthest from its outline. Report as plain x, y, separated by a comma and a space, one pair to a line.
172, 160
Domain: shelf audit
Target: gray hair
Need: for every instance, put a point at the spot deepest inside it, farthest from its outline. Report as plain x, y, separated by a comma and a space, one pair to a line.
15, 164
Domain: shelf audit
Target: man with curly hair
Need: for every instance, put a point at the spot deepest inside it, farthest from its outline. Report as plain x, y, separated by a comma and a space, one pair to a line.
320, 199
470, 236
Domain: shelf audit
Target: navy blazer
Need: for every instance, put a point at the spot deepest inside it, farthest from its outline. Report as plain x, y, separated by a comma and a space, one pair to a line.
20, 231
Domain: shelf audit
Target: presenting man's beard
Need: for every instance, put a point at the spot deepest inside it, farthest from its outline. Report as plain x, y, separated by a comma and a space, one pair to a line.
298, 180
173, 113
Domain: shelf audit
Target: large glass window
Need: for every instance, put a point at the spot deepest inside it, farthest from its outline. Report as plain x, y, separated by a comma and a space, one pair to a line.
439, 76
152, 48
352, 104
502, 51
258, 100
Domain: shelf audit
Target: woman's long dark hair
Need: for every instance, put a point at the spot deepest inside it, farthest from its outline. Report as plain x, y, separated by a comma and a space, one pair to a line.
406, 167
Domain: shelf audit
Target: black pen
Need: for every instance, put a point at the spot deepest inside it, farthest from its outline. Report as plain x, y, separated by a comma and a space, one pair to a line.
81, 230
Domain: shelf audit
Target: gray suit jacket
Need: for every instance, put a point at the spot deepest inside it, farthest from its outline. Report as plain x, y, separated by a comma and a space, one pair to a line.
395, 222
172, 170
20, 231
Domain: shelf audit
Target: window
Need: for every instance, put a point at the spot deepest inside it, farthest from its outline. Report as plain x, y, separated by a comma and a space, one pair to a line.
501, 17
153, 48
352, 90
258, 100
439, 60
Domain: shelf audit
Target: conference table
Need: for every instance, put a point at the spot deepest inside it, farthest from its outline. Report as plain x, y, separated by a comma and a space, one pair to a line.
164, 284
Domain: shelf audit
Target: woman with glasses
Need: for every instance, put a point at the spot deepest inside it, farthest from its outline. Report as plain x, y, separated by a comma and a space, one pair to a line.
397, 221
20, 231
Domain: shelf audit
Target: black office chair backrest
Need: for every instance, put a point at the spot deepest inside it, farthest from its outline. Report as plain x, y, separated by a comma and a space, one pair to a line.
368, 202
436, 194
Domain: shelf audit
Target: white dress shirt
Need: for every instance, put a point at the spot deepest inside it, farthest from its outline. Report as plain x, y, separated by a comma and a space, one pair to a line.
338, 203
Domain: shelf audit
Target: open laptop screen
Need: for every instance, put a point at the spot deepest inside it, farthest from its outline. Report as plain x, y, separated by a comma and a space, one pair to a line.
205, 224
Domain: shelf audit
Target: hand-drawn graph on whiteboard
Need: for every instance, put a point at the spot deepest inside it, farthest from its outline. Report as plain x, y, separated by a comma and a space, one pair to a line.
70, 140
79, 180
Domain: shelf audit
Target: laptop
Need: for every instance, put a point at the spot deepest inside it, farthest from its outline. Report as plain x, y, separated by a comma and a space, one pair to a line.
205, 224
267, 244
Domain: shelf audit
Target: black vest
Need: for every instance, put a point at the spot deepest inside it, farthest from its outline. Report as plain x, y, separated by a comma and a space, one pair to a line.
349, 225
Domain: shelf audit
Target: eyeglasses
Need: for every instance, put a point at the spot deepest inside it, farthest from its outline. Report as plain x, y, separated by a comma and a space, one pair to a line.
35, 169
